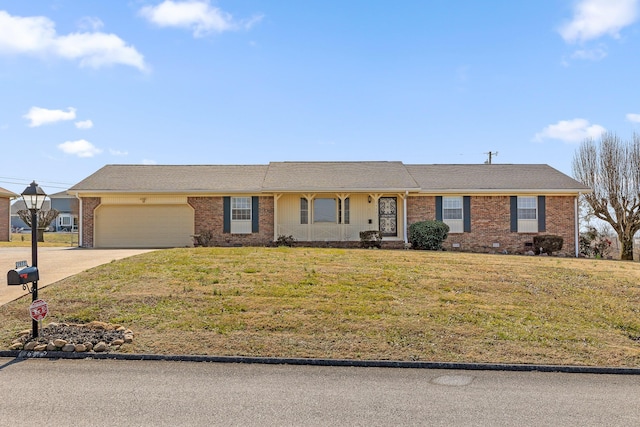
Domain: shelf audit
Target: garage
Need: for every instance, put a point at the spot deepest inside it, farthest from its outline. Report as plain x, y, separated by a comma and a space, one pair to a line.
143, 226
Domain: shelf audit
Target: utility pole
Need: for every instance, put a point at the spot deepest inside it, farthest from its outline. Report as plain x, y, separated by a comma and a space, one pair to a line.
488, 162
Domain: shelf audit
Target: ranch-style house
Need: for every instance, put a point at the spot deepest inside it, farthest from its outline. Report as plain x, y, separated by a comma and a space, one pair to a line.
488, 207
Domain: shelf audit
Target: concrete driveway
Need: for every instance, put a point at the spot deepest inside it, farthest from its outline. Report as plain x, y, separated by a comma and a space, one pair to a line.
55, 264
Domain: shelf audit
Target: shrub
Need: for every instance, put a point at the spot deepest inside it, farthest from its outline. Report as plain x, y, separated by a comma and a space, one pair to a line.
204, 239
283, 240
371, 239
428, 235
547, 244
594, 243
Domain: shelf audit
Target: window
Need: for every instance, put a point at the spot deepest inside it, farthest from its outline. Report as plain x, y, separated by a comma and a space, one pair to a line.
451, 208
527, 208
346, 211
324, 210
241, 209
452, 213
304, 211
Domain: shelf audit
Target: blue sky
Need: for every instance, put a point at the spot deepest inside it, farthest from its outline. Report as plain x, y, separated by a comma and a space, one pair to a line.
93, 82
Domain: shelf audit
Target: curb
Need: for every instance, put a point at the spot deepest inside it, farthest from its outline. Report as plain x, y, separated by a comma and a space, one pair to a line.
326, 362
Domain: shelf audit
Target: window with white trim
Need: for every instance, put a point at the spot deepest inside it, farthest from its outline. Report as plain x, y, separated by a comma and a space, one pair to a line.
346, 211
304, 211
240, 208
527, 214
241, 215
527, 207
452, 214
452, 208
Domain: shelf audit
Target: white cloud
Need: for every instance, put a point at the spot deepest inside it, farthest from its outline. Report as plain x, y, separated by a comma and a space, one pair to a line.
196, 15
149, 162
632, 117
118, 152
595, 18
37, 36
575, 130
595, 54
80, 148
42, 116
84, 124
90, 23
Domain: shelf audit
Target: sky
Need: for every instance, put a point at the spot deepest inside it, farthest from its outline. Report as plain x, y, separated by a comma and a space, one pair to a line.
85, 83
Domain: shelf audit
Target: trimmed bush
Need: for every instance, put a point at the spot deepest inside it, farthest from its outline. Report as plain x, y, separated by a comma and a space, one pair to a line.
371, 239
285, 240
547, 244
205, 238
428, 235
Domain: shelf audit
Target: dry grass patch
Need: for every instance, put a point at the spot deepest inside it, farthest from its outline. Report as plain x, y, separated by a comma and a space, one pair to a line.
50, 240
359, 304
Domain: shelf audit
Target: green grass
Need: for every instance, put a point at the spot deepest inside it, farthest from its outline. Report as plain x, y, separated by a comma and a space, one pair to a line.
50, 240
358, 304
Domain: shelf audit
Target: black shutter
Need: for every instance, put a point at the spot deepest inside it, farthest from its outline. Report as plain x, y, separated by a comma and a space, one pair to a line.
438, 208
255, 213
466, 213
514, 214
226, 214
542, 215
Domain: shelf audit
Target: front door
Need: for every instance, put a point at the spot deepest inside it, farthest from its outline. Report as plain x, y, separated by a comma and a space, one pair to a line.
388, 216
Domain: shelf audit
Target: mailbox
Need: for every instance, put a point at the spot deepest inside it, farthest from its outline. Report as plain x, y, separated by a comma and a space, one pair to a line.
22, 276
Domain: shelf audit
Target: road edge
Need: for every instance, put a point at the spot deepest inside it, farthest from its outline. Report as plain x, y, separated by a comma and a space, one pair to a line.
571, 369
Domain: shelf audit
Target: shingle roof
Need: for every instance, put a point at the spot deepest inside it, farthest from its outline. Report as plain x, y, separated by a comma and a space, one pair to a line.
494, 177
7, 193
338, 176
327, 176
19, 205
169, 178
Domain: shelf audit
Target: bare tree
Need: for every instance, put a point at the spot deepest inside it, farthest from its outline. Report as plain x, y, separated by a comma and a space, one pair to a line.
612, 170
45, 218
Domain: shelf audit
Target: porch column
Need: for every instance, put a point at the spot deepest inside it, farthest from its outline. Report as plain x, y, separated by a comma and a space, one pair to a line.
310, 218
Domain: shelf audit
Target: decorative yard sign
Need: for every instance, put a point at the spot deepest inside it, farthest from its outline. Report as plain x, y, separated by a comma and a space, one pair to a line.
38, 310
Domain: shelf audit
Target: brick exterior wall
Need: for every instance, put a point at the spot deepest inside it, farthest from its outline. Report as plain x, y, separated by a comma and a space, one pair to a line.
5, 206
89, 205
208, 215
491, 224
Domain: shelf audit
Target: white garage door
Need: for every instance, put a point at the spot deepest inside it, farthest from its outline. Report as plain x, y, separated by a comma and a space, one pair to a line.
151, 226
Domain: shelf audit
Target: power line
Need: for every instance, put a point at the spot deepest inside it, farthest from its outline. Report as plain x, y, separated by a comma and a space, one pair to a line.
25, 182
491, 154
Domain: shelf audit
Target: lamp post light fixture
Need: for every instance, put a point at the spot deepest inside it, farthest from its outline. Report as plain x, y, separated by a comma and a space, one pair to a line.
33, 197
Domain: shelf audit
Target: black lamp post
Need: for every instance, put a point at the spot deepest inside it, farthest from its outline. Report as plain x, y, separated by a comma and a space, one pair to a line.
34, 199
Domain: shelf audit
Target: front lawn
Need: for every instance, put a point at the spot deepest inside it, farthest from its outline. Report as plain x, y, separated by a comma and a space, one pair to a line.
358, 304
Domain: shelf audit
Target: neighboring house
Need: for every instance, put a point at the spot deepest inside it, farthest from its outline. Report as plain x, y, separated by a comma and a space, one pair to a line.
65, 204
16, 222
5, 214
68, 208
489, 208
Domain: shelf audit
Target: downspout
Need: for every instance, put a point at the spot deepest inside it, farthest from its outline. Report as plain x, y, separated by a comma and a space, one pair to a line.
9, 222
577, 227
406, 196
80, 220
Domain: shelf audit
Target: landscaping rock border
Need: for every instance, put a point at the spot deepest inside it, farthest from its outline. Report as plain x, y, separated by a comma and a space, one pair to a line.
97, 337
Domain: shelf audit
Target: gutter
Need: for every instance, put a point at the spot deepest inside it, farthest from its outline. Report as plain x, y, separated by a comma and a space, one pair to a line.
577, 225
80, 221
406, 226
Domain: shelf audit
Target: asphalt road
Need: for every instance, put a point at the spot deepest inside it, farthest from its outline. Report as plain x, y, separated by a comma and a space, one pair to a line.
159, 393
55, 264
